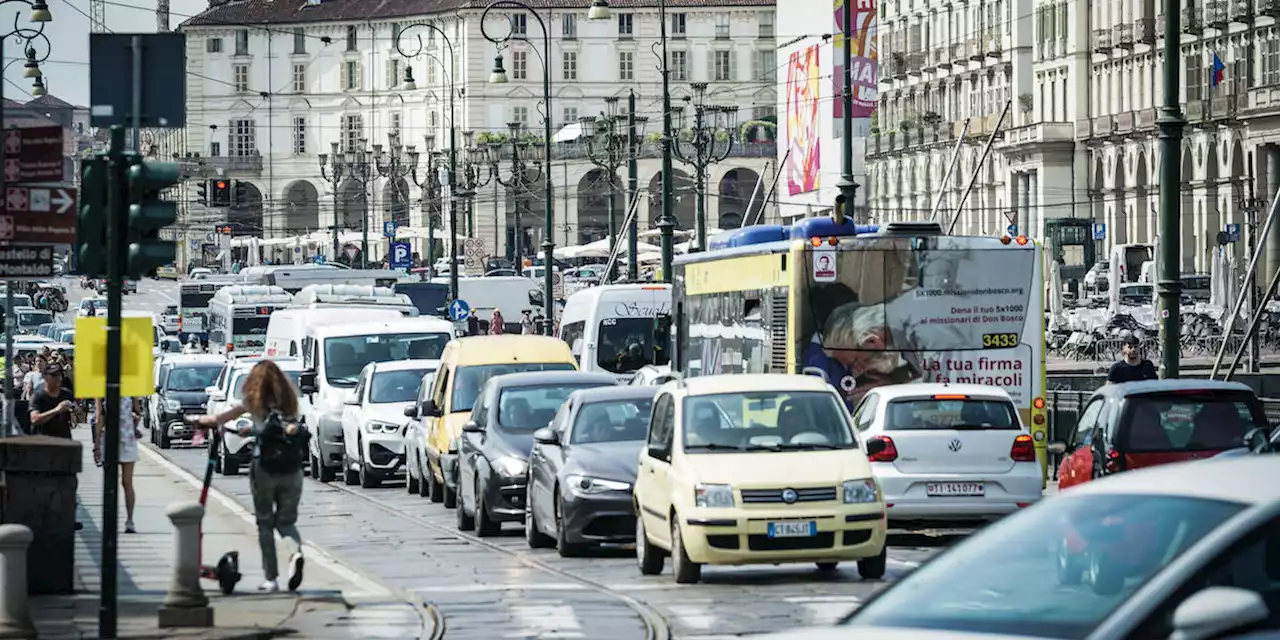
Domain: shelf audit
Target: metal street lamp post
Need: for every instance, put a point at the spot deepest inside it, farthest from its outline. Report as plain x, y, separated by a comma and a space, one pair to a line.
360, 168
432, 198
606, 139
1171, 123
708, 142
476, 172
332, 171
522, 178
395, 166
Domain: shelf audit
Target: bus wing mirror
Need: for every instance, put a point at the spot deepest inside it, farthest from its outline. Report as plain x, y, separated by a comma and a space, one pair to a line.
661, 327
307, 382
815, 371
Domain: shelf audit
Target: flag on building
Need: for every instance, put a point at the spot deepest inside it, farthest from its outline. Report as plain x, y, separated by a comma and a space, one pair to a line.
1218, 71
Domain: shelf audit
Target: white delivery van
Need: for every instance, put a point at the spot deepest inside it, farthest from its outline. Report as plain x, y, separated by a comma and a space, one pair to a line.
511, 294
333, 357
613, 328
288, 326
354, 296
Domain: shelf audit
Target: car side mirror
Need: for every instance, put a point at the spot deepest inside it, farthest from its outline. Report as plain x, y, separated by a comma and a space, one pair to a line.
352, 400
430, 409
410, 412
1212, 612
875, 446
1056, 448
472, 427
547, 436
307, 382
217, 396
659, 451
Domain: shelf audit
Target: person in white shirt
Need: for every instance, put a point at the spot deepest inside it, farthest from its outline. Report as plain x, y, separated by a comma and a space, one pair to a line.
34, 379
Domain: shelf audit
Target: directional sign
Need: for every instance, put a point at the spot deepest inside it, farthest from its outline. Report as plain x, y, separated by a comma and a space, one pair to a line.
33, 154
389, 229
401, 255
26, 263
38, 214
320, 259
136, 365
1012, 229
458, 310
57, 200
1099, 231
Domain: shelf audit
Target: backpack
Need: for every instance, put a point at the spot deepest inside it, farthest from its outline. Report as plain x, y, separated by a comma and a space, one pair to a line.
279, 453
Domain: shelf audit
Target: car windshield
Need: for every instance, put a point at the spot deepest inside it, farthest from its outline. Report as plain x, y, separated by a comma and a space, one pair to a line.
1021, 575
396, 386
34, 318
528, 408
924, 414
237, 390
346, 357
1189, 421
766, 421
193, 378
612, 421
468, 380
627, 344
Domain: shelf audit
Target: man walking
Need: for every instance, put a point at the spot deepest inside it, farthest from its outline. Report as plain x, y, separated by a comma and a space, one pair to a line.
1132, 367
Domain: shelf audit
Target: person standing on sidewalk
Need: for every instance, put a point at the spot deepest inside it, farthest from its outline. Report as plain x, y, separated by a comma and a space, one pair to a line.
130, 417
52, 405
275, 476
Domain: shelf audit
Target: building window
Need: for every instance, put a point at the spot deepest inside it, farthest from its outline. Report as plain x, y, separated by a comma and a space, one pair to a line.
765, 24
431, 35
1195, 77
678, 21
570, 115
766, 66
679, 66
760, 113
569, 26
519, 25
393, 73
351, 75
240, 73
520, 115
723, 71
299, 78
352, 40
215, 149
1270, 62
722, 26
299, 41
395, 32
352, 131
395, 123
431, 75
213, 45
242, 42
626, 66
435, 120
299, 135
520, 65
569, 61
242, 143
625, 25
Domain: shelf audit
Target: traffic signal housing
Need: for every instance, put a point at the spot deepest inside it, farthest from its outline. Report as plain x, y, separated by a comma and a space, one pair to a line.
91, 219
202, 192
148, 214
221, 193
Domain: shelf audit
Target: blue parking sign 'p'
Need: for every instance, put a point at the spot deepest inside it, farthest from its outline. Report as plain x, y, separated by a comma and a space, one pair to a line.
1233, 232
389, 229
401, 255
1099, 231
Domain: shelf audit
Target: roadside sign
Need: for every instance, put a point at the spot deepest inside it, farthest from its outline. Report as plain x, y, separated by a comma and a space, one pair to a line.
389, 229
56, 200
137, 362
1099, 231
297, 249
401, 255
1233, 232
557, 284
473, 250
38, 215
33, 154
1011, 230
458, 310
320, 259
26, 263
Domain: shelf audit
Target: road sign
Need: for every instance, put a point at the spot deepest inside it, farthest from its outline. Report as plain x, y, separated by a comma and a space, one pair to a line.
1099, 231
389, 229
162, 87
1233, 232
401, 255
22, 263
557, 283
320, 259
137, 364
473, 250
33, 154
39, 214
56, 200
297, 249
458, 310
1012, 229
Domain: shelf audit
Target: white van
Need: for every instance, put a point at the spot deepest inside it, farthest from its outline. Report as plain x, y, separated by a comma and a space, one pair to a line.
289, 326
293, 279
358, 296
511, 294
333, 356
612, 328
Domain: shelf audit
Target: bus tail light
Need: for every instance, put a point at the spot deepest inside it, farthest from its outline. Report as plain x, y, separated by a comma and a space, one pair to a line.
832, 241
954, 396
889, 454
815, 241
1038, 403
1005, 239
1023, 450
1112, 463
1022, 240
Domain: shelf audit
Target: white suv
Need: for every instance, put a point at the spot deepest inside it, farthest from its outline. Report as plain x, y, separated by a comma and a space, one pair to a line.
237, 450
374, 421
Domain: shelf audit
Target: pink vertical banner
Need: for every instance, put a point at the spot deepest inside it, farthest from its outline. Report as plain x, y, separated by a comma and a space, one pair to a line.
803, 88
865, 55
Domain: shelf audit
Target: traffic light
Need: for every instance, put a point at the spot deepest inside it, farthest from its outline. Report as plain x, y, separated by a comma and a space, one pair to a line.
221, 196
148, 214
91, 219
239, 193
202, 192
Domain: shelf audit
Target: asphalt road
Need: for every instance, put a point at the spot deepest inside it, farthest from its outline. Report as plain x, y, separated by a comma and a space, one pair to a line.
498, 588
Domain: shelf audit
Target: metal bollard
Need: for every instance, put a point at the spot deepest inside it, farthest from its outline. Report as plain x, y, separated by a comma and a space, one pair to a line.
186, 605
15, 609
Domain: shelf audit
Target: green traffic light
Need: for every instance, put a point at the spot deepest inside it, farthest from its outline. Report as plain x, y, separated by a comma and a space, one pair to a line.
91, 219
148, 214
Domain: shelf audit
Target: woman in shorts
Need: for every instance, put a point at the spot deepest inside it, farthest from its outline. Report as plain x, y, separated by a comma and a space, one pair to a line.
129, 436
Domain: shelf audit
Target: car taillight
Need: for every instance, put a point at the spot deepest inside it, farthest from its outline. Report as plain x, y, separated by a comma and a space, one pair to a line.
1024, 450
890, 452
1112, 462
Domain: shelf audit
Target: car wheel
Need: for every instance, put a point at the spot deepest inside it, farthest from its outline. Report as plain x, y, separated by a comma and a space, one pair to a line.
368, 479
349, 476
648, 557
873, 568
450, 496
1106, 578
435, 490
465, 521
827, 567
326, 474
1069, 570
411, 484
485, 525
165, 443
532, 534
686, 571
563, 546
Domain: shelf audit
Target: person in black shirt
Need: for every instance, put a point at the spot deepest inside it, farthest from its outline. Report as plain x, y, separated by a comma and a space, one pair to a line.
1133, 366
52, 405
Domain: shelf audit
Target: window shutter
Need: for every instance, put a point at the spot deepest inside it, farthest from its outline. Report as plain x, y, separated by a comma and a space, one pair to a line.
733, 66
359, 76
711, 66
343, 82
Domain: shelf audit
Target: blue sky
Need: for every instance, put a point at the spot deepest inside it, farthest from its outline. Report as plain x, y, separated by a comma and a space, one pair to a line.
67, 69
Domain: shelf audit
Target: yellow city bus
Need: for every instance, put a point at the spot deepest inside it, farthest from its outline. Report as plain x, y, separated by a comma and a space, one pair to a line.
863, 306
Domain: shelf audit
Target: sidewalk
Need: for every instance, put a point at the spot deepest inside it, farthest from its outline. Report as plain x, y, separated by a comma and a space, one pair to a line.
334, 601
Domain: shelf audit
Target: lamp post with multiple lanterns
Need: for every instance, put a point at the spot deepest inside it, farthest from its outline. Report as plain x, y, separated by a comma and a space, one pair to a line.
395, 166
710, 140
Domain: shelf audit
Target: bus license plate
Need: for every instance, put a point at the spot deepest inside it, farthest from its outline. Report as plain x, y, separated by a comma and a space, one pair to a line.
793, 529
952, 489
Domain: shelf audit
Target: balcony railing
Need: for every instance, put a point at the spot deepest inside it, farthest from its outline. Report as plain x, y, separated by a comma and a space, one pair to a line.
1144, 30
1241, 11
899, 68
973, 46
1192, 20
570, 151
1103, 126
994, 46
1216, 13
239, 165
1195, 111
1084, 129
915, 62
1145, 119
958, 54
1124, 122
1102, 40
1269, 7
1040, 132
1123, 35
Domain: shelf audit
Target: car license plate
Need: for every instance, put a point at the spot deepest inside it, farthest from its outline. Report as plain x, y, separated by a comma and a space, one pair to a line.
953, 489
793, 529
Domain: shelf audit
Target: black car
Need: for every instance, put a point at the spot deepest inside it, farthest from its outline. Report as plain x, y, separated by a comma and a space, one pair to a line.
582, 469
181, 385
493, 452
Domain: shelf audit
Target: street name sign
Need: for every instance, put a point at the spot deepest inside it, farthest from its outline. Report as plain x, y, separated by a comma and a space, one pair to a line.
33, 154
26, 263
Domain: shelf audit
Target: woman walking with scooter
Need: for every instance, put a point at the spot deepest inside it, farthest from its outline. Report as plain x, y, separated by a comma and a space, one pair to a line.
275, 475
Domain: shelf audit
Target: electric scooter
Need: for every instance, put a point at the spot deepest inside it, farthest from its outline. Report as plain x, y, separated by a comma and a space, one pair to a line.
227, 572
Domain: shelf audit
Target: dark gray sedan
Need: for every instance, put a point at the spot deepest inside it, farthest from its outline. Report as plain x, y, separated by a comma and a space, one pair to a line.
493, 452
582, 468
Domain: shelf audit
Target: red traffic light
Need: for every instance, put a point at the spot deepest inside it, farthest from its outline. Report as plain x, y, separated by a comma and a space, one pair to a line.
222, 184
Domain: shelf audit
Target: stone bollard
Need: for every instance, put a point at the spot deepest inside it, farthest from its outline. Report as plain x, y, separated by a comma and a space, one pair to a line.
186, 605
15, 609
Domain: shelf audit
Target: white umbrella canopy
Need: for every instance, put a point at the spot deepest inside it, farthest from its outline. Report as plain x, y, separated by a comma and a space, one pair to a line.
579, 251
603, 245
1055, 295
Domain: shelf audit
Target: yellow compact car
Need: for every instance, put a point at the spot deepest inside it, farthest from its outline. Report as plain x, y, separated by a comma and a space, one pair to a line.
465, 365
752, 469
167, 273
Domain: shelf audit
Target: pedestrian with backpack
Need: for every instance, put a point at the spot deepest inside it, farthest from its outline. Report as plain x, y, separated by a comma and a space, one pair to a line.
275, 475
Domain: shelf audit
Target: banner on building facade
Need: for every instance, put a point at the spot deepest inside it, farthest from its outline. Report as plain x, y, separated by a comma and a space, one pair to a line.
803, 89
865, 55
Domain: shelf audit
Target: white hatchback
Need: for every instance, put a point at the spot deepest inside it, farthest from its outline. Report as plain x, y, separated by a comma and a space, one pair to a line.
952, 452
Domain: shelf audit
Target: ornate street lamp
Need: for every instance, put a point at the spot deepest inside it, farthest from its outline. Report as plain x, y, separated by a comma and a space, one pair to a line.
708, 142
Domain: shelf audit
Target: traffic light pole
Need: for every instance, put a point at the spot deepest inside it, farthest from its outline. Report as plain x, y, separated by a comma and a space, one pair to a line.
117, 164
